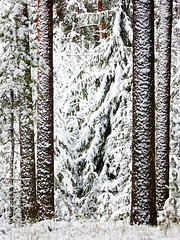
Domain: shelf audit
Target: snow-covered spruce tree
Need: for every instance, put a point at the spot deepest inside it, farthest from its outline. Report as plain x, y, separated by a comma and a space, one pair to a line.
11, 214
25, 104
163, 101
16, 86
7, 148
143, 203
172, 205
83, 19
7, 153
67, 14
6, 121
96, 112
45, 138
109, 126
67, 65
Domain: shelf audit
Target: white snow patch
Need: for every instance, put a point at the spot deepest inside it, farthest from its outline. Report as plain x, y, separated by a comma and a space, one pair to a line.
86, 230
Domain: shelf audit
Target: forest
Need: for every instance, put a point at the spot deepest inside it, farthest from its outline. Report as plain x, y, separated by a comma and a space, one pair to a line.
89, 112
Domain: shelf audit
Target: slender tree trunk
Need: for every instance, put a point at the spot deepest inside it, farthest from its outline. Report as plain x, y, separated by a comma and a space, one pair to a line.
101, 24
26, 128
12, 158
45, 149
143, 205
163, 101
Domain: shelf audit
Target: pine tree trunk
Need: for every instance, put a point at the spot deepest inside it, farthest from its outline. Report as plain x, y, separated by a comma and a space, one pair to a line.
45, 149
163, 101
143, 205
26, 129
11, 190
101, 24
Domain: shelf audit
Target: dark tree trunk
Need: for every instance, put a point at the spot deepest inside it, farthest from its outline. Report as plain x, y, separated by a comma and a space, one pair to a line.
163, 101
45, 149
143, 206
11, 190
26, 129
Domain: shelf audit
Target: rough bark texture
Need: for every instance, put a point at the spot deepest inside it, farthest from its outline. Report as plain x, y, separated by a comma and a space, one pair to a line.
11, 190
28, 181
26, 127
143, 206
163, 101
45, 159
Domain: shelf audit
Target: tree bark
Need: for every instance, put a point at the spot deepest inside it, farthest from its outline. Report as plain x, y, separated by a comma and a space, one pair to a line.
11, 190
101, 24
26, 129
163, 101
45, 149
143, 205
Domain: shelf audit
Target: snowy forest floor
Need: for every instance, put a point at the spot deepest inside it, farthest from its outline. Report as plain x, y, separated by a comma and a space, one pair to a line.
88, 229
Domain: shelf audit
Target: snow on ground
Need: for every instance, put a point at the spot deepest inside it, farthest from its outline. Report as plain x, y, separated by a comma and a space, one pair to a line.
87, 230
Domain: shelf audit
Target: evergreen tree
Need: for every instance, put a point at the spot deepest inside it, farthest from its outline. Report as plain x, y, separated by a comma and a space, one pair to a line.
163, 101
172, 205
143, 205
11, 190
7, 106
96, 96
26, 127
16, 84
45, 148
101, 24
84, 19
